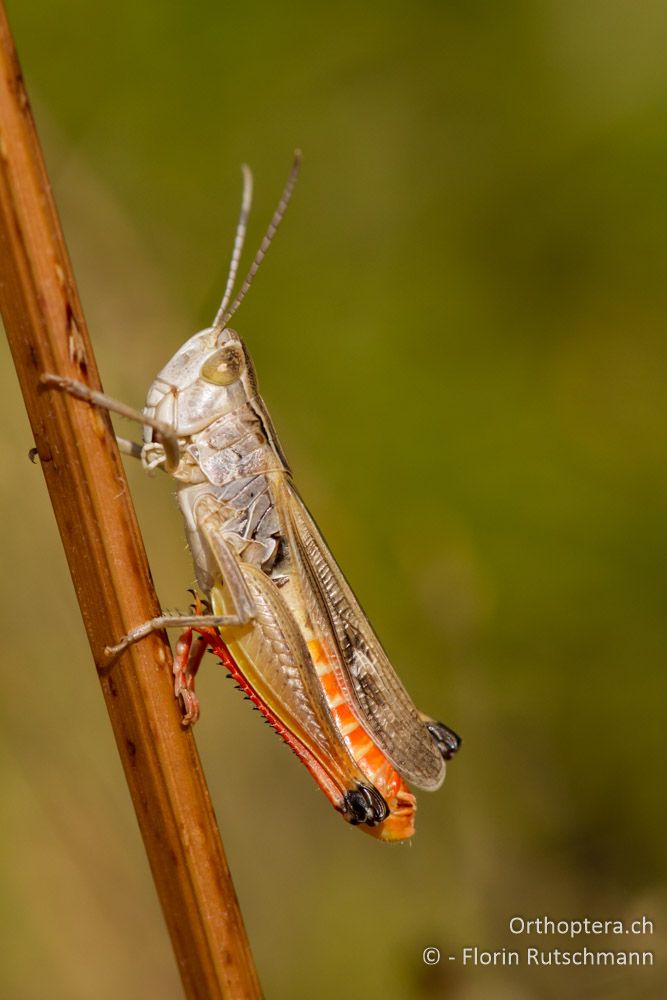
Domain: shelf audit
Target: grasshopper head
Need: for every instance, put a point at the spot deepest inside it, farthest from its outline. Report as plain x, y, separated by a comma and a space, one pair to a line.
209, 376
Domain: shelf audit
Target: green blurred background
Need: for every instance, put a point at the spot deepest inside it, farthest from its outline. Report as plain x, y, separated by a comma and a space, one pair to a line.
460, 335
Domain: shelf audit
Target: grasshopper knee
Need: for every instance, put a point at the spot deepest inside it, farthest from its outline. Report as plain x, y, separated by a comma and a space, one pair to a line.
446, 740
365, 805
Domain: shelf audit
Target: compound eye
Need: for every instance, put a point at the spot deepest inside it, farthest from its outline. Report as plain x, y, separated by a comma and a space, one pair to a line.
225, 365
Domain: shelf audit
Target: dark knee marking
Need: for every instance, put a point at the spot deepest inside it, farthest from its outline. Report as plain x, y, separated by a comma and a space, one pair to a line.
446, 740
365, 805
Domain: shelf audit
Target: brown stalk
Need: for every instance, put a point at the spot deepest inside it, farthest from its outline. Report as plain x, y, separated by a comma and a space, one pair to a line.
86, 482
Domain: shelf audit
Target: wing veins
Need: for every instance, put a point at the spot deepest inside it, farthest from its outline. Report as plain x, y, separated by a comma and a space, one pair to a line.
382, 703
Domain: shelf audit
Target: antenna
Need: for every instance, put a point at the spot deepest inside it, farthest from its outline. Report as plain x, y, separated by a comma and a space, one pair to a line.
239, 239
222, 316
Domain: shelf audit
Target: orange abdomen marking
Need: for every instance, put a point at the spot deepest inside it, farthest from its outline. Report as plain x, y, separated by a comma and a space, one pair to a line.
399, 825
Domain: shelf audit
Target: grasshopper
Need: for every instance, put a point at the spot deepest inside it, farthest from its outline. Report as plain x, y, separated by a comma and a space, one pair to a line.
278, 611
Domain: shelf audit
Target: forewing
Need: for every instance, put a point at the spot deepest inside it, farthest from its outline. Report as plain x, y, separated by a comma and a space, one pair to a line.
382, 704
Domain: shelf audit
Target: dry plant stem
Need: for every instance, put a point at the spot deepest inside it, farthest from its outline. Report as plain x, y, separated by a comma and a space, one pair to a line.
87, 485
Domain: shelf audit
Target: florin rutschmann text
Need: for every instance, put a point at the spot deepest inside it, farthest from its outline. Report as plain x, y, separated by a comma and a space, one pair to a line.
569, 928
